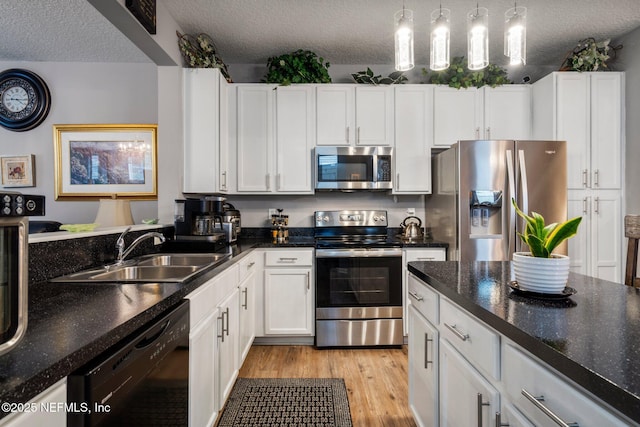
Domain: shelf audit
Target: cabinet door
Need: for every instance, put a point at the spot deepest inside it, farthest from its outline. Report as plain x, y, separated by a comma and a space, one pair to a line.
457, 114
578, 204
295, 133
423, 370
413, 139
224, 177
247, 313
203, 403
54, 395
201, 130
464, 393
255, 138
572, 125
335, 115
374, 116
288, 301
507, 112
606, 128
227, 334
607, 232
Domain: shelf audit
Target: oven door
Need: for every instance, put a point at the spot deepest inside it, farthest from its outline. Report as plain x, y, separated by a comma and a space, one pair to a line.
358, 278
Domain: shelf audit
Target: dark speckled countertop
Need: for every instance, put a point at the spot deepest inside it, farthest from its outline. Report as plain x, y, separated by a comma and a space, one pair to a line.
593, 337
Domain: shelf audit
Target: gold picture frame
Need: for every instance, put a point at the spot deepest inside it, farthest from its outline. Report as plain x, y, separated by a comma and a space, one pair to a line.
97, 161
18, 171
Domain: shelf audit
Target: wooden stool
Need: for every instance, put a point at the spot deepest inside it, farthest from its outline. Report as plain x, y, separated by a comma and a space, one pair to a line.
632, 232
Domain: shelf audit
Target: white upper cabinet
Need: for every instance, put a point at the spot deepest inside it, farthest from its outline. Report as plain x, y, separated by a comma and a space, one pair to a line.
584, 109
295, 138
201, 95
354, 115
254, 149
503, 112
413, 139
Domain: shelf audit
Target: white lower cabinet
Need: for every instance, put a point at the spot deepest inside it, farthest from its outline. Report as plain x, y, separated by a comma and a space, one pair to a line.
541, 394
248, 275
466, 397
228, 323
423, 370
38, 415
410, 255
289, 292
203, 408
470, 375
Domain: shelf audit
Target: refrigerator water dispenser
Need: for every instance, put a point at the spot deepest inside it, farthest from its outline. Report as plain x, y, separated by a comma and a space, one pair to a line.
485, 211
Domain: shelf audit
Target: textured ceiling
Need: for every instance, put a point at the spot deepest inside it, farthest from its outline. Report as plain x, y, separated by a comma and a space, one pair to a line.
341, 31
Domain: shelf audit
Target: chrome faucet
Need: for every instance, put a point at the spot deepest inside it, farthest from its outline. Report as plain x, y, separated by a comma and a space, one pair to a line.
120, 244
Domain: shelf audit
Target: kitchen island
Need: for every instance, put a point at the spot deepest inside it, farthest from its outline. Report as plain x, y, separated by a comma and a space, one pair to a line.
592, 337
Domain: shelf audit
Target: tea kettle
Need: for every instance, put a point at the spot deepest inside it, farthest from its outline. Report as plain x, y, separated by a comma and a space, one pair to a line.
411, 229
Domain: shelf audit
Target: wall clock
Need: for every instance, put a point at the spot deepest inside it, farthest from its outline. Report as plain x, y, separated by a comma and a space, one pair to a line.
24, 100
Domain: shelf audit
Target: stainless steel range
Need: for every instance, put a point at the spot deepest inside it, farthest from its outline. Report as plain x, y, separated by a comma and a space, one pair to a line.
358, 280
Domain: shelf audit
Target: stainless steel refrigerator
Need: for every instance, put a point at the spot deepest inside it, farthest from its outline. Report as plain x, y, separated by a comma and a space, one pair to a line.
473, 183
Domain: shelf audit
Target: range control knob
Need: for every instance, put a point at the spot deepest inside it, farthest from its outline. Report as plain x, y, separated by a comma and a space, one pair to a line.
6, 210
375, 218
383, 218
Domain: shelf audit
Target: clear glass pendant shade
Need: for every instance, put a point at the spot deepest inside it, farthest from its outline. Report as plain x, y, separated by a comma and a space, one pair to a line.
515, 35
440, 39
404, 39
478, 38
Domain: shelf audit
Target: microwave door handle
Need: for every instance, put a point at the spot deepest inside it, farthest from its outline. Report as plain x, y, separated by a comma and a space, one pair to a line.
511, 224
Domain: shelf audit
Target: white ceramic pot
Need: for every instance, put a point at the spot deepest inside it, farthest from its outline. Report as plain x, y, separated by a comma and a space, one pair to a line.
542, 275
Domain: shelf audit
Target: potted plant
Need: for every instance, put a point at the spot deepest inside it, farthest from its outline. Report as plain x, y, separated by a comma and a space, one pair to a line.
367, 77
460, 77
301, 66
540, 270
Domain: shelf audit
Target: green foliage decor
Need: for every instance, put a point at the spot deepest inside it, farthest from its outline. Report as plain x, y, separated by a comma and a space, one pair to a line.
459, 76
200, 52
301, 66
543, 239
367, 77
589, 55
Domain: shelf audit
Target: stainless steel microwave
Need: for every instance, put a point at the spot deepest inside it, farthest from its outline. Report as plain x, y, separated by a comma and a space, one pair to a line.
353, 168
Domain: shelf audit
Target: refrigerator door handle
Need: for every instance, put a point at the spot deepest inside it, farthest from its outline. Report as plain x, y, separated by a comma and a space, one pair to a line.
511, 225
523, 181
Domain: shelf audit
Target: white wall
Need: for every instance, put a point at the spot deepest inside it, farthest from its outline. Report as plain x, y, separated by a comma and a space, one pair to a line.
629, 61
83, 93
255, 209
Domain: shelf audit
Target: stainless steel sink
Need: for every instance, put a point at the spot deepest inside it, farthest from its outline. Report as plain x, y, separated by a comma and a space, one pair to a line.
148, 269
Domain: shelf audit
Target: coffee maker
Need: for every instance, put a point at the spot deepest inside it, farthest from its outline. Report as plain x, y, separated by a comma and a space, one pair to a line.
199, 219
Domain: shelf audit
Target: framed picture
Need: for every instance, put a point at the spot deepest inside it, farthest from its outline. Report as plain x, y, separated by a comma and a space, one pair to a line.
105, 161
19, 171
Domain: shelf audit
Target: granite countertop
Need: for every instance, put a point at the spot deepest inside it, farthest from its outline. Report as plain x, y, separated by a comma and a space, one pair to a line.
70, 324
593, 337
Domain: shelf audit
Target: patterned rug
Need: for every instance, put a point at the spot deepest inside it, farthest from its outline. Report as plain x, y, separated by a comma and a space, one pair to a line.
287, 402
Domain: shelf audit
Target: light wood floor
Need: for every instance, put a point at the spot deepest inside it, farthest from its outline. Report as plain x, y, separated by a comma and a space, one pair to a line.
376, 379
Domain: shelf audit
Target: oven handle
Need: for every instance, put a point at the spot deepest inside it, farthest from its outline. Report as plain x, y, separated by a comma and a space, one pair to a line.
358, 253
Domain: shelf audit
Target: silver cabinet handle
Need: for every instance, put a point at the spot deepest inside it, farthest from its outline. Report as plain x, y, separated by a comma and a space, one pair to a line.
596, 205
251, 264
245, 292
308, 280
480, 405
268, 182
499, 420
427, 340
426, 258
398, 180
346, 135
488, 133
477, 133
415, 296
221, 319
537, 402
584, 177
457, 333
358, 135
584, 205
283, 259
224, 181
596, 178
227, 328
278, 181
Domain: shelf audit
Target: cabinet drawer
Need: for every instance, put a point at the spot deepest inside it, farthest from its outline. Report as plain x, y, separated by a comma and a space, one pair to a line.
430, 254
479, 344
294, 258
424, 299
522, 374
247, 266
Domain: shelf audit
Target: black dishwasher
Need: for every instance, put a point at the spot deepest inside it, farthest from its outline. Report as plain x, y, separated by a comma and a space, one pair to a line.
144, 382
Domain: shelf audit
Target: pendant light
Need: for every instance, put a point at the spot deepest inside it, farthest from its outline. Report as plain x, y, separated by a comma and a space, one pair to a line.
404, 39
515, 35
440, 39
478, 38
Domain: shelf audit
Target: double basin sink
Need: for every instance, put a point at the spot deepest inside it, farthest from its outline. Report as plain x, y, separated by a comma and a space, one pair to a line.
154, 268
